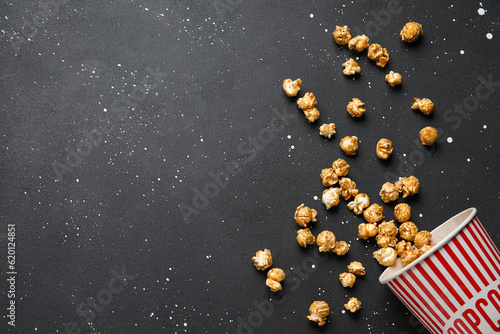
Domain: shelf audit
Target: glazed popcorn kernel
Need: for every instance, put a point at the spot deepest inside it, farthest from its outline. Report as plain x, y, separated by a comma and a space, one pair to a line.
393, 79
366, 231
311, 114
348, 188
409, 186
328, 177
353, 304
326, 241
424, 249
402, 212
342, 35
388, 228
349, 144
340, 167
290, 87
378, 54
307, 102
389, 192
347, 279
402, 246
351, 67
341, 248
411, 32
263, 259
305, 237
409, 256
356, 268
386, 256
425, 105
374, 213
274, 277
423, 238
428, 135
331, 197
384, 149
319, 312
361, 202
304, 215
359, 43
327, 130
386, 241
408, 230
356, 108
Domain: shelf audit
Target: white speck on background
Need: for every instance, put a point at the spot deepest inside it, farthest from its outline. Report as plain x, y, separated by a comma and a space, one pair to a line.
315, 198
311, 16
468, 159
289, 137
449, 140
485, 126
462, 52
489, 35
481, 11
420, 215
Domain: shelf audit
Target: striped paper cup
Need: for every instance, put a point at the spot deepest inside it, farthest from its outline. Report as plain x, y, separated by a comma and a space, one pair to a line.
454, 288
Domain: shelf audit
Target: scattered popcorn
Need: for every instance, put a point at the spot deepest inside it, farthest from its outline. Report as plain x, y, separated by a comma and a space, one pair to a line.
386, 256
402, 212
384, 149
291, 88
307, 102
327, 130
353, 304
356, 268
409, 256
311, 114
274, 277
361, 202
411, 32
426, 106
342, 35
424, 249
326, 241
304, 215
349, 144
356, 107
341, 248
408, 230
331, 197
389, 192
428, 135
409, 186
348, 188
263, 259
393, 79
328, 177
366, 231
319, 312
351, 67
423, 238
305, 237
374, 213
340, 167
347, 279
378, 54
402, 246
359, 43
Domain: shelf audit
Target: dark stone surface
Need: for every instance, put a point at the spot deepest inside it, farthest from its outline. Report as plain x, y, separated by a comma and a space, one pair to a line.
213, 73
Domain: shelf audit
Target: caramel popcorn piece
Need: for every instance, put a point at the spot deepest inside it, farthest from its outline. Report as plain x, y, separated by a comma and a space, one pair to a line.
341, 248
387, 232
384, 149
389, 192
342, 35
347, 279
374, 213
307, 102
409, 186
428, 135
408, 230
409, 256
290, 87
356, 268
274, 277
319, 312
393, 79
402, 212
424, 249
402, 246
311, 114
351, 67
411, 32
326, 241
331, 197
378, 54
361, 202
366, 231
356, 107
423, 238
386, 241
348, 188
304, 215
340, 167
386, 256
327, 130
359, 43
328, 177
425, 105
305, 237
349, 144
353, 304
263, 259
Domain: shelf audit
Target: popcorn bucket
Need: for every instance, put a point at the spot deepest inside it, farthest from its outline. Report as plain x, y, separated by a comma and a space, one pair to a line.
454, 288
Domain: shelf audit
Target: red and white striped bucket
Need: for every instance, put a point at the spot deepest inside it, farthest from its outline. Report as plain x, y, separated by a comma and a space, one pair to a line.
454, 288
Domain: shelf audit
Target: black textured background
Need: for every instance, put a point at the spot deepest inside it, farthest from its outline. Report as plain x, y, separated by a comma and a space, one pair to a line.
182, 89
